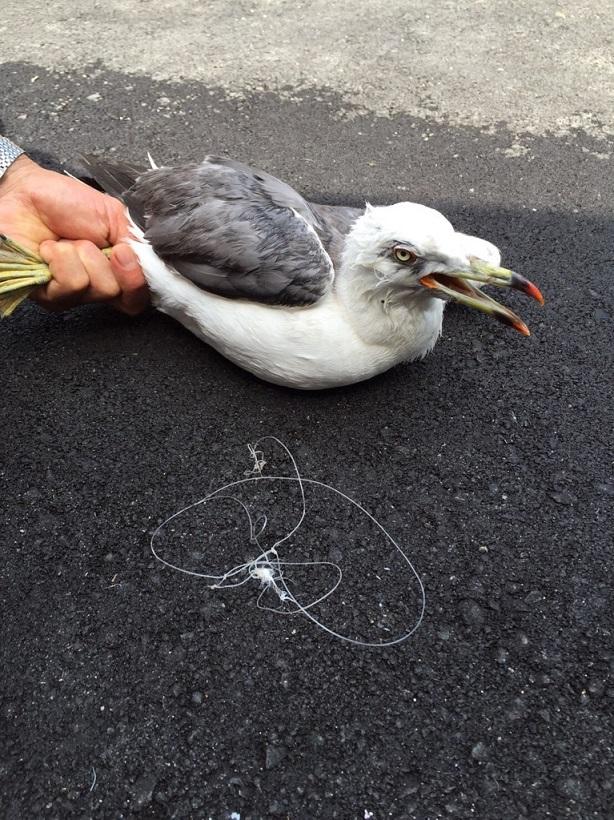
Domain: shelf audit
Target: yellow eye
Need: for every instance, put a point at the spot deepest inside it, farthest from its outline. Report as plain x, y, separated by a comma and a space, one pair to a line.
404, 256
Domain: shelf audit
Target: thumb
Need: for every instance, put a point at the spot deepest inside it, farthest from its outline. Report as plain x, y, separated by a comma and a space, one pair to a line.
129, 275
125, 264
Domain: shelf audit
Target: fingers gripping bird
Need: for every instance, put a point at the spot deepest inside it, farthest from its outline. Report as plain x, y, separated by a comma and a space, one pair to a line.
304, 295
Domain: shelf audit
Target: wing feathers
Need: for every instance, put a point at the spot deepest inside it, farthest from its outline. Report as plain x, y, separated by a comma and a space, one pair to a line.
232, 230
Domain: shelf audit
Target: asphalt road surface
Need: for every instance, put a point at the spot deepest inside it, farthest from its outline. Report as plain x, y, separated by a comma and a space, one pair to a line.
130, 690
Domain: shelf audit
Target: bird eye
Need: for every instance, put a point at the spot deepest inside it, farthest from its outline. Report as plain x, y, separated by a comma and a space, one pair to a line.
404, 256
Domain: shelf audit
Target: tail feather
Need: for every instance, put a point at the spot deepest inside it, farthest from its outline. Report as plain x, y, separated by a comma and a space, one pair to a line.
117, 179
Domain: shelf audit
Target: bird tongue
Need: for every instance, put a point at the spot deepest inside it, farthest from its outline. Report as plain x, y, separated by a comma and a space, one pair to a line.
452, 282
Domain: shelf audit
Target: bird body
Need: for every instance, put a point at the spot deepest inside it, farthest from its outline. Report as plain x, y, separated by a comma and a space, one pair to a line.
338, 340
304, 295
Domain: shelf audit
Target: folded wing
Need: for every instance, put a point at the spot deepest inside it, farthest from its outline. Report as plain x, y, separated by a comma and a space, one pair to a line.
231, 229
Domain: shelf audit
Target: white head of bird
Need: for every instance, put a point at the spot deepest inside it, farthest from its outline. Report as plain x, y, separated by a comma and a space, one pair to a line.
408, 250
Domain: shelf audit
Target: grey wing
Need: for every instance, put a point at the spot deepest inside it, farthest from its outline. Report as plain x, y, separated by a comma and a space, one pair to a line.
232, 230
334, 223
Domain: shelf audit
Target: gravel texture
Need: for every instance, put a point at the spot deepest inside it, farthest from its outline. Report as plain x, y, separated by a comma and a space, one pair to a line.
538, 67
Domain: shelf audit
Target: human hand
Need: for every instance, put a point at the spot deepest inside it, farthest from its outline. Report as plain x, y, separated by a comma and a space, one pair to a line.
66, 222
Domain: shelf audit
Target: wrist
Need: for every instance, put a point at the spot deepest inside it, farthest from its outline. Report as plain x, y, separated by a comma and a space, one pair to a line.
19, 168
17, 179
9, 152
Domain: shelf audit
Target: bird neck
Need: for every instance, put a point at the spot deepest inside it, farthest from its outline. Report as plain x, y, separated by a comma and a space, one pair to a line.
387, 315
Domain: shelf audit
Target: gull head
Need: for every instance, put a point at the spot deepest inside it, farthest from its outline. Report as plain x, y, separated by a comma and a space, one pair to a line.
409, 248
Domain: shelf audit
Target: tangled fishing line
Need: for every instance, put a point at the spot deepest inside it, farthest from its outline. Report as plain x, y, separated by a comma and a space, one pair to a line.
269, 567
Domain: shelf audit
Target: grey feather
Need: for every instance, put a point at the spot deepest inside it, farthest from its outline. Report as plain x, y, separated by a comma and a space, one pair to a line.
117, 179
233, 230
335, 222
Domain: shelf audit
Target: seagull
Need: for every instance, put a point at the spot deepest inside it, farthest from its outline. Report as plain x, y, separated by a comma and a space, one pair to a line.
300, 294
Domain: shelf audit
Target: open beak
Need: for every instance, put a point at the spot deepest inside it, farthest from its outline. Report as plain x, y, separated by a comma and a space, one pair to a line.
458, 286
